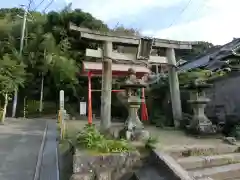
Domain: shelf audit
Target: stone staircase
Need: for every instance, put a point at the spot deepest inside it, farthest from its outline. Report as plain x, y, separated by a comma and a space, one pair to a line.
208, 162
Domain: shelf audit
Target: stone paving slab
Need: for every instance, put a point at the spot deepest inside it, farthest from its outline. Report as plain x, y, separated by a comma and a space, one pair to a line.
179, 151
205, 178
218, 173
20, 140
195, 162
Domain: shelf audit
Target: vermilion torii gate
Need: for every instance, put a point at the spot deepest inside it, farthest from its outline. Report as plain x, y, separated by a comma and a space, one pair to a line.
95, 69
117, 53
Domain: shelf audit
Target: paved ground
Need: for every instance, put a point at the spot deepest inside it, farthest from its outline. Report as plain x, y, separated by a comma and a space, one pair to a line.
166, 138
20, 141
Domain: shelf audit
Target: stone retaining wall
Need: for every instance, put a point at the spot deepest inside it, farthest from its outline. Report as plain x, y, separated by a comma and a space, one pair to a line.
66, 162
114, 166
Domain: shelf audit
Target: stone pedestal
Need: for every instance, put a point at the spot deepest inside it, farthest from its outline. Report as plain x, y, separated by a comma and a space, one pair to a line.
200, 123
134, 129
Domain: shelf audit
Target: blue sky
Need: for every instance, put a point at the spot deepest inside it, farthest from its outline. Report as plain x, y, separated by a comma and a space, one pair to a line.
208, 20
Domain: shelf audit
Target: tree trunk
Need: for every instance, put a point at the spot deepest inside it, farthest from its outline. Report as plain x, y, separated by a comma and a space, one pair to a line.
5, 108
41, 95
24, 107
15, 103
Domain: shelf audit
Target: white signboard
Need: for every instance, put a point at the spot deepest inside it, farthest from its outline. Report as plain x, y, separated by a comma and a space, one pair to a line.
83, 108
61, 99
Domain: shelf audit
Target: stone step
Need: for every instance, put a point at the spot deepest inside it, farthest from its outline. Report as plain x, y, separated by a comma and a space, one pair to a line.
164, 163
231, 171
196, 162
201, 150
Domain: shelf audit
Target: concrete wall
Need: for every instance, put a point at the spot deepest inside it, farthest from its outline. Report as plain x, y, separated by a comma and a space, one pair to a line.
226, 93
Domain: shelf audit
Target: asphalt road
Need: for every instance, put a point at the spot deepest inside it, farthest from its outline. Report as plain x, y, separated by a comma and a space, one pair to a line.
20, 141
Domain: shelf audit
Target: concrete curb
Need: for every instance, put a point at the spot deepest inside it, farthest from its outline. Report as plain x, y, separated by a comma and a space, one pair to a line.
179, 172
40, 155
57, 163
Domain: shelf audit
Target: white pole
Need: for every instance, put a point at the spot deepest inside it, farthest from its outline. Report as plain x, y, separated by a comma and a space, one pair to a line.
61, 99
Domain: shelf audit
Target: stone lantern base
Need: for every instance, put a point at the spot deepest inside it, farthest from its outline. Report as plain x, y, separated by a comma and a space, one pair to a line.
133, 128
200, 124
134, 134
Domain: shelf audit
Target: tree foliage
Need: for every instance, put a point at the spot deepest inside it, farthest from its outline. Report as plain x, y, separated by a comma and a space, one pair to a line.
51, 52
12, 74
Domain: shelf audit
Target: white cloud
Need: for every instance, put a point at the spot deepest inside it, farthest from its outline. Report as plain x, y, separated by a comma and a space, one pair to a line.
218, 22
112, 9
219, 25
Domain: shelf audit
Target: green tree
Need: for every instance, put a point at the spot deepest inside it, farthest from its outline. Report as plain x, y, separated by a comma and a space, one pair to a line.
12, 76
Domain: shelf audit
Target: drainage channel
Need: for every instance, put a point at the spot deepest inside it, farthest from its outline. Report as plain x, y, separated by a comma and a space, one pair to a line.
154, 169
40, 154
150, 172
47, 163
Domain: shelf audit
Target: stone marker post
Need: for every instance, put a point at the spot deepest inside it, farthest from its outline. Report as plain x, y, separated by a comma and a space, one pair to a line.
174, 88
61, 114
106, 87
61, 100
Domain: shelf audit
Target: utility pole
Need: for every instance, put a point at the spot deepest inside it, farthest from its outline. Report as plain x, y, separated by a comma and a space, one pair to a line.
21, 49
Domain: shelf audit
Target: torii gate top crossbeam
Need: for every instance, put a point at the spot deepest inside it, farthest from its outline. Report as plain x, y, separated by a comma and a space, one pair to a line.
107, 36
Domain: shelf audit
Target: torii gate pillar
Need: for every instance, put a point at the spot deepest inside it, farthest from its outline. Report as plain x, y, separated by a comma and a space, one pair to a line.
106, 96
174, 88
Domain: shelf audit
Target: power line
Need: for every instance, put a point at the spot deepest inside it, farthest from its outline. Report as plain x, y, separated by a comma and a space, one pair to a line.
38, 5
198, 10
181, 12
29, 4
48, 5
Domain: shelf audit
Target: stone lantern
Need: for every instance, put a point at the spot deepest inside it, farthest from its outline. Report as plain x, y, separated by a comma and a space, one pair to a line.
133, 128
199, 124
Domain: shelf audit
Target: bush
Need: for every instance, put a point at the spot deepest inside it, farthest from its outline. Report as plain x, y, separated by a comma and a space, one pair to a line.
91, 139
151, 142
236, 132
32, 108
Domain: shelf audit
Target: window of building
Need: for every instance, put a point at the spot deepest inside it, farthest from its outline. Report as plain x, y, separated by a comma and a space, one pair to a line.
156, 68
153, 68
161, 51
